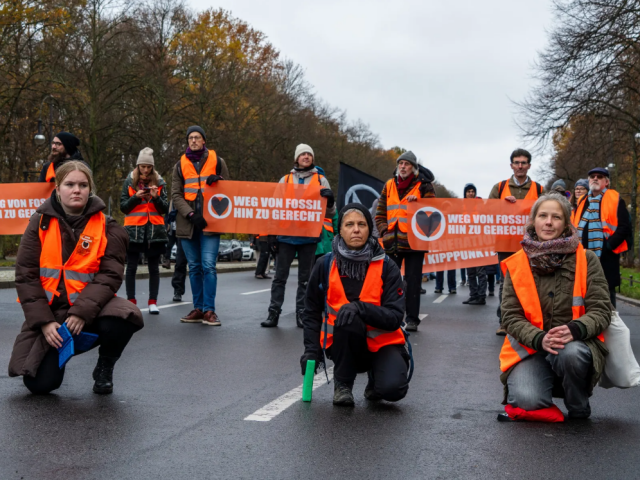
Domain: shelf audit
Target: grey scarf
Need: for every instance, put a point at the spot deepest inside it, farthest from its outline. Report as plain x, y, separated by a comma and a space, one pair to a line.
353, 263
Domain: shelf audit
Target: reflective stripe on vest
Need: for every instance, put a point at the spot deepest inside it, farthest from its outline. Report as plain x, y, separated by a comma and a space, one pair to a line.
532, 194
51, 173
371, 293
82, 265
525, 288
396, 208
328, 224
143, 212
192, 181
608, 216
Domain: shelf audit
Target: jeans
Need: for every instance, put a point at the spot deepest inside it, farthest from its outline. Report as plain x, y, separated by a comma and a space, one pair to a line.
412, 281
113, 336
202, 254
263, 260
387, 367
477, 282
179, 277
531, 381
451, 280
154, 275
286, 254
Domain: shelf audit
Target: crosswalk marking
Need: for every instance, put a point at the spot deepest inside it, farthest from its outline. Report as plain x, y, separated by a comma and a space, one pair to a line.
440, 299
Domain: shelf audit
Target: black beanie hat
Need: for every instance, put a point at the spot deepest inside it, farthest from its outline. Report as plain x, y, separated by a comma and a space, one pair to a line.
358, 206
196, 128
69, 142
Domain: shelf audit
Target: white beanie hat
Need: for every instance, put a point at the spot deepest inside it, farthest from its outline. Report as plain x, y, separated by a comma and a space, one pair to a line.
303, 148
145, 157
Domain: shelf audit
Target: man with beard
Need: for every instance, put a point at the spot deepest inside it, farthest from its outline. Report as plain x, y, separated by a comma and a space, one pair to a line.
64, 147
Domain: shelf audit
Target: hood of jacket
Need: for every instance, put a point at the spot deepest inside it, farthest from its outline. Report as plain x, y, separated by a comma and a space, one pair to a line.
467, 187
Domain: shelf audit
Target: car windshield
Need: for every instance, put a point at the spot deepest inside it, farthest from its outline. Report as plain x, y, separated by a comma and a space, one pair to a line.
225, 244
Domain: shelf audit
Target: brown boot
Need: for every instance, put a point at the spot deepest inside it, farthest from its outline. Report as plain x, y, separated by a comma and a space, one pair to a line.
194, 316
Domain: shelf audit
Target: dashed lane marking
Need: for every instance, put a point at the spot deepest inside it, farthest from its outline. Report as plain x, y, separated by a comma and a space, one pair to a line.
440, 299
257, 291
422, 316
280, 404
177, 304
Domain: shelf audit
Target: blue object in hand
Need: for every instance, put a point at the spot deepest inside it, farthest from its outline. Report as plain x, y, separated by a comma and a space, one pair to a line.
83, 342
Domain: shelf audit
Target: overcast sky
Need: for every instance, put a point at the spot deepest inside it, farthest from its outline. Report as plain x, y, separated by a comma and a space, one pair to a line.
434, 77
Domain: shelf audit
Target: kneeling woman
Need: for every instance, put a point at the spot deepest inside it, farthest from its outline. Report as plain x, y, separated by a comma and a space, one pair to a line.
70, 265
555, 307
364, 312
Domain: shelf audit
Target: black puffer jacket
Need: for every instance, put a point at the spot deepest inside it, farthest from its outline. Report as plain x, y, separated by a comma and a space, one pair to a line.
387, 316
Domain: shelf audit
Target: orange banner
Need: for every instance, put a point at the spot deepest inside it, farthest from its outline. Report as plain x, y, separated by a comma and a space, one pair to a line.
457, 224
265, 208
18, 201
437, 262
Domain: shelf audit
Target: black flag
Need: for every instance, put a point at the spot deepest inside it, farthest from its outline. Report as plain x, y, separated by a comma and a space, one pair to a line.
357, 187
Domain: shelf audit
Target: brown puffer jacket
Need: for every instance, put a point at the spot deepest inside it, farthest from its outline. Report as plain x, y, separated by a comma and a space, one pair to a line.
96, 300
555, 292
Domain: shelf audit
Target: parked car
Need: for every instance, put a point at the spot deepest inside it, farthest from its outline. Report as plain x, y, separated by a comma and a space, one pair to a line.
248, 253
230, 250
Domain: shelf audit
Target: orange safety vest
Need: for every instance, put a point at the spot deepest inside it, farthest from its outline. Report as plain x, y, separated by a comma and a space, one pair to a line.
371, 293
192, 181
327, 223
396, 208
82, 265
525, 287
143, 212
608, 216
51, 173
532, 194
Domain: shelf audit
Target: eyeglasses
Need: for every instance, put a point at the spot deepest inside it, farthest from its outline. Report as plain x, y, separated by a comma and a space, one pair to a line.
596, 176
195, 137
57, 144
520, 164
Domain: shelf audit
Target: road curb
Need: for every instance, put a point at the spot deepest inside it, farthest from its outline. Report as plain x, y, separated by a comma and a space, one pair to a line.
142, 276
630, 301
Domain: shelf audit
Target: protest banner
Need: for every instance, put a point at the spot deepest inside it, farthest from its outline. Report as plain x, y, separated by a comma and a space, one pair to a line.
265, 208
442, 261
18, 201
457, 224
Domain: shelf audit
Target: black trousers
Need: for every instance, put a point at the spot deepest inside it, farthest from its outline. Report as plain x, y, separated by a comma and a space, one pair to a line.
387, 367
113, 336
153, 262
612, 295
263, 260
180, 273
286, 254
412, 281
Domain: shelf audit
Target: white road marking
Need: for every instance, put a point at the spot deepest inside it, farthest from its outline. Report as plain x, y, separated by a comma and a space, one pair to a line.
422, 316
440, 299
167, 306
280, 404
257, 291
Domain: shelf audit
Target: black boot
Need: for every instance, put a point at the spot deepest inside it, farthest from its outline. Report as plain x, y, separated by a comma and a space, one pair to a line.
469, 300
103, 375
342, 394
369, 393
299, 319
271, 321
177, 297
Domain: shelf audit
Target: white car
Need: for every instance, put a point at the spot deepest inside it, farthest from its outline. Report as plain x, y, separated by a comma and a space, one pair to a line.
248, 253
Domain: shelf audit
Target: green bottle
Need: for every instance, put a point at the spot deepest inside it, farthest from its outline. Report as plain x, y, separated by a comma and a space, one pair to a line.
307, 386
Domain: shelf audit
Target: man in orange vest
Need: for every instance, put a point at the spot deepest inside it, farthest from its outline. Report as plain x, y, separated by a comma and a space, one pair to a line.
64, 147
392, 221
518, 187
354, 307
604, 226
198, 167
286, 247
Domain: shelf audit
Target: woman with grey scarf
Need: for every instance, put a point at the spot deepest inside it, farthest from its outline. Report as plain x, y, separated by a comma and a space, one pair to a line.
361, 330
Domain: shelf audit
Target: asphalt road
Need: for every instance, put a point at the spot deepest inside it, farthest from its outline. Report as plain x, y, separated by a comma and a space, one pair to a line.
183, 391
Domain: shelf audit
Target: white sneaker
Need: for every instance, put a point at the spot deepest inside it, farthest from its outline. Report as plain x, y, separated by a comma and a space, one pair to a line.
153, 309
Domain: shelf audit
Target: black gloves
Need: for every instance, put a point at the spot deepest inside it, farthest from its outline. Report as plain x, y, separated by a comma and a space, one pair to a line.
347, 314
328, 194
213, 179
197, 220
318, 357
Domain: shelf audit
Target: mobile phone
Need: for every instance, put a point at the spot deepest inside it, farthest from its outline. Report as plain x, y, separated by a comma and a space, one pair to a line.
146, 189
